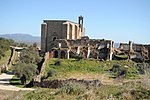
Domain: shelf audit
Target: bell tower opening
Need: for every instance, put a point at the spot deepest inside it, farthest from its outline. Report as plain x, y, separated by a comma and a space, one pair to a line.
81, 22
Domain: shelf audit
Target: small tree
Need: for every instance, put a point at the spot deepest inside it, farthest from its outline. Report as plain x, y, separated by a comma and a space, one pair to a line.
30, 56
24, 71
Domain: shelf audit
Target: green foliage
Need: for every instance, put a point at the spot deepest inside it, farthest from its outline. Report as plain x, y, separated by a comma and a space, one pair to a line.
16, 82
22, 45
69, 66
50, 73
40, 94
25, 68
73, 89
57, 63
119, 71
140, 93
30, 56
5, 59
24, 71
5, 46
122, 56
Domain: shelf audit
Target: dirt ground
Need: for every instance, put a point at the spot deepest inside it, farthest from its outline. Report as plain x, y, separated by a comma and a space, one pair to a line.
8, 95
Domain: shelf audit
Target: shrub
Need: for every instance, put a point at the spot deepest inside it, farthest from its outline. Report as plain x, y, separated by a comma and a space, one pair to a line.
140, 93
24, 71
119, 71
57, 63
51, 73
73, 88
116, 68
79, 57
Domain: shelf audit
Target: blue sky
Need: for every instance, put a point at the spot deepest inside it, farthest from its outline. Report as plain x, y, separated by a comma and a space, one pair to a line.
119, 20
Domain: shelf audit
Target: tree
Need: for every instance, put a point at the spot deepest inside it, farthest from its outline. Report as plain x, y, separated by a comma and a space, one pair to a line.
24, 71
23, 45
30, 56
5, 46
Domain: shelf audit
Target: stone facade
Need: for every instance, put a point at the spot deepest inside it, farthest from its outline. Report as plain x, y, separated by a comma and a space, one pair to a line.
88, 48
65, 39
59, 29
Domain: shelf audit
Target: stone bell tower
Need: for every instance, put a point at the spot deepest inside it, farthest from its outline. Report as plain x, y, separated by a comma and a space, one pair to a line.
81, 25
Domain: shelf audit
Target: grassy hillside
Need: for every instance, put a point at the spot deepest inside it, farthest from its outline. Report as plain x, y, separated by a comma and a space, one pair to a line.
5, 59
129, 91
91, 69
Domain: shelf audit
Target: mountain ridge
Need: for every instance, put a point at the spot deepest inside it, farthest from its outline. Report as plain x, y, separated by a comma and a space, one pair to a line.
22, 38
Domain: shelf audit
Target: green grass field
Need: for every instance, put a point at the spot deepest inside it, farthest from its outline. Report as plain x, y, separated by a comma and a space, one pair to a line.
16, 82
89, 69
72, 67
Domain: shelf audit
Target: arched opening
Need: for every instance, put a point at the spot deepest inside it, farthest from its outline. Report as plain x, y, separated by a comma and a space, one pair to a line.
84, 53
54, 38
55, 54
104, 53
62, 54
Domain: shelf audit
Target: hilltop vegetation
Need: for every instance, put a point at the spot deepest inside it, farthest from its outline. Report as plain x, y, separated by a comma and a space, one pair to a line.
26, 66
119, 79
5, 46
71, 67
115, 85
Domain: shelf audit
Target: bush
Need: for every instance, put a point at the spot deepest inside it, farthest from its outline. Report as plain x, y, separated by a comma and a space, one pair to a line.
143, 68
24, 71
73, 88
57, 63
119, 71
79, 57
30, 56
140, 93
5, 46
116, 68
52, 73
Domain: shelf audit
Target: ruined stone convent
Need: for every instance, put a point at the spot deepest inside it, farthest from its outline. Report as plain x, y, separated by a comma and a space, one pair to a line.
65, 39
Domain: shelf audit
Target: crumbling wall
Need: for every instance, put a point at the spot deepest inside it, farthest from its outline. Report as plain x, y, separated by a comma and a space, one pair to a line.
139, 51
37, 78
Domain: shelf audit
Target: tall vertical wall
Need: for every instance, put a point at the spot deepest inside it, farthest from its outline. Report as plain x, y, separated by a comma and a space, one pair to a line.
43, 37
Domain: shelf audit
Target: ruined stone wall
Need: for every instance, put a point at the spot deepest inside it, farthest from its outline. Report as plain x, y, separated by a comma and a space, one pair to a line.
57, 29
143, 50
37, 78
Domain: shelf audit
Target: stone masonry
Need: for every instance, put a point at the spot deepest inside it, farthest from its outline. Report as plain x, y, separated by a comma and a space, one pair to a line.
59, 29
65, 39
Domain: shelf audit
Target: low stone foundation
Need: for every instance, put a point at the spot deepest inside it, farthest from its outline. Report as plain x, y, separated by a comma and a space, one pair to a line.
60, 83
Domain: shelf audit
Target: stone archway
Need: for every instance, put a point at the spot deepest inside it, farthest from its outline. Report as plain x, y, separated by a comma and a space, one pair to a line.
63, 54
55, 54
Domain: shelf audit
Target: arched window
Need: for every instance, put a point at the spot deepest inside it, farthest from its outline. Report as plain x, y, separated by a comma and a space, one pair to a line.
63, 54
54, 38
55, 54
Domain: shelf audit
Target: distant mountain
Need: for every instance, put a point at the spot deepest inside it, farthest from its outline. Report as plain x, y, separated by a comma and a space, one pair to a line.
22, 38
